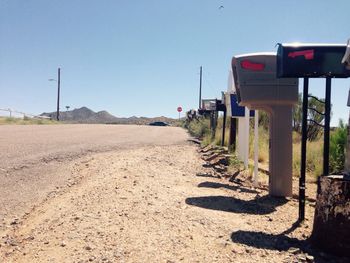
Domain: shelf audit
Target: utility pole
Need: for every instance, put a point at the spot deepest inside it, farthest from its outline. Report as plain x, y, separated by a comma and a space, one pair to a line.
200, 88
58, 93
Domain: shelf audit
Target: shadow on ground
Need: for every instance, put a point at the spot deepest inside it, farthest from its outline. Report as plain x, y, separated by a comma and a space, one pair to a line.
263, 240
259, 206
281, 242
227, 186
206, 175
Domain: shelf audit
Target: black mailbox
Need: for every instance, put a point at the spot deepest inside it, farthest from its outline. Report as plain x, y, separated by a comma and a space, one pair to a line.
311, 60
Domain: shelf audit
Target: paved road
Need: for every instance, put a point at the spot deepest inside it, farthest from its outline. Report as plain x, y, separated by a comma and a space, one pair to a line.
38, 159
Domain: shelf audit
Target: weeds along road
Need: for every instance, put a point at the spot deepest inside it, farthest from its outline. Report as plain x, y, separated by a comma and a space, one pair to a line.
36, 159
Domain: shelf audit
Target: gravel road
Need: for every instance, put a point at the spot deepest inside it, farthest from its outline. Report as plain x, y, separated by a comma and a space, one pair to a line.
94, 193
37, 159
23, 146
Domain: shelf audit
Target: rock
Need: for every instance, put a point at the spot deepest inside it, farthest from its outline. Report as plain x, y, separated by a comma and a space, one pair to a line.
294, 250
88, 248
310, 258
15, 221
63, 244
302, 257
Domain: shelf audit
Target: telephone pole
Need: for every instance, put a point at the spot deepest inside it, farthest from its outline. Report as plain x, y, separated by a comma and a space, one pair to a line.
58, 93
200, 88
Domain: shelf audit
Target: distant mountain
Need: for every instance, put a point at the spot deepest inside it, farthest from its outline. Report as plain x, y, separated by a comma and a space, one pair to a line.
85, 115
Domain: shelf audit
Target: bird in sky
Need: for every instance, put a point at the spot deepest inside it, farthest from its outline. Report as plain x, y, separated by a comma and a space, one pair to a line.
221, 7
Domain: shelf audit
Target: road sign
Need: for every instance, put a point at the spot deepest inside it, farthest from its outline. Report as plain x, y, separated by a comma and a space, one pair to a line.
179, 109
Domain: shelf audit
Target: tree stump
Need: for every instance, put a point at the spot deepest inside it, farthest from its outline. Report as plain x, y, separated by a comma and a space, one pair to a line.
331, 231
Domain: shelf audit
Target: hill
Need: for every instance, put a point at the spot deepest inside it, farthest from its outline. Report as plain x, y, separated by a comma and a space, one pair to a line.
86, 115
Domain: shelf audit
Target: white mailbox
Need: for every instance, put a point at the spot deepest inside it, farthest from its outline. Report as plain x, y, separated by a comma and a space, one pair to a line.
258, 88
256, 82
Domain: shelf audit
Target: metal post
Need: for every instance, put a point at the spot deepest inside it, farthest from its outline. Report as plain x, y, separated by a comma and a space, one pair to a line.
200, 88
327, 120
223, 128
233, 132
303, 152
58, 94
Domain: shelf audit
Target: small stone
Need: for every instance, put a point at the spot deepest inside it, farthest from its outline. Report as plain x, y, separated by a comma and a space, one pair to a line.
310, 258
63, 244
14, 221
88, 248
294, 250
302, 257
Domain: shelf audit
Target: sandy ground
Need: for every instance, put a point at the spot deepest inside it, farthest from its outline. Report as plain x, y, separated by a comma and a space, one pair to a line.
156, 203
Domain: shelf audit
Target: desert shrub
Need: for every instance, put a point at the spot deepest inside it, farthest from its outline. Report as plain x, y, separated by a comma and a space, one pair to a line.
199, 128
234, 162
337, 146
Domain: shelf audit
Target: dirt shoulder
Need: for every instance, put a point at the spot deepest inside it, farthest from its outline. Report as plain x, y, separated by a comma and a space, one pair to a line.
158, 204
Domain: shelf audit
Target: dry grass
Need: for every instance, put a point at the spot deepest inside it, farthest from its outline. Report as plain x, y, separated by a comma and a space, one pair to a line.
25, 121
314, 149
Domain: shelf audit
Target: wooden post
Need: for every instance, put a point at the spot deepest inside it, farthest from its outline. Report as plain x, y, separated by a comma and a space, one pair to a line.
223, 128
233, 132
332, 215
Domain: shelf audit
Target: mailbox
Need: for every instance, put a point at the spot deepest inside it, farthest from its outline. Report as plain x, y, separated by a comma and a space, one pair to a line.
209, 104
256, 82
311, 60
258, 87
236, 110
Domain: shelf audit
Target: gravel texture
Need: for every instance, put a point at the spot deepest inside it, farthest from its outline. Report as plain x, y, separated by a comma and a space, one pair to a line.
155, 202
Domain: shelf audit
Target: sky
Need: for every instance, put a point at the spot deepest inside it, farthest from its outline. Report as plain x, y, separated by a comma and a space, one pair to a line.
142, 58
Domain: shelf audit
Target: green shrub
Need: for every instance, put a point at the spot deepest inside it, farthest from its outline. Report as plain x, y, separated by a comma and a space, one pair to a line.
337, 146
199, 128
235, 163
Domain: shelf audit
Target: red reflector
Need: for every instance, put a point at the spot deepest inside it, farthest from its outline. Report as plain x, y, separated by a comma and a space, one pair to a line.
246, 64
307, 54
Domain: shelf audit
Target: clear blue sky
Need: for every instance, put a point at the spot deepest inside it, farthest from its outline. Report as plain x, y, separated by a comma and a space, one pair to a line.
142, 57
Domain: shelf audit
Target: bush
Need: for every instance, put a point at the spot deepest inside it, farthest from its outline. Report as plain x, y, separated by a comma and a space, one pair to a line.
337, 148
199, 128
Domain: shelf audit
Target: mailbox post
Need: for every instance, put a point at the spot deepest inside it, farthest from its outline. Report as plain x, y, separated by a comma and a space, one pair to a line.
238, 112
312, 61
258, 88
331, 220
